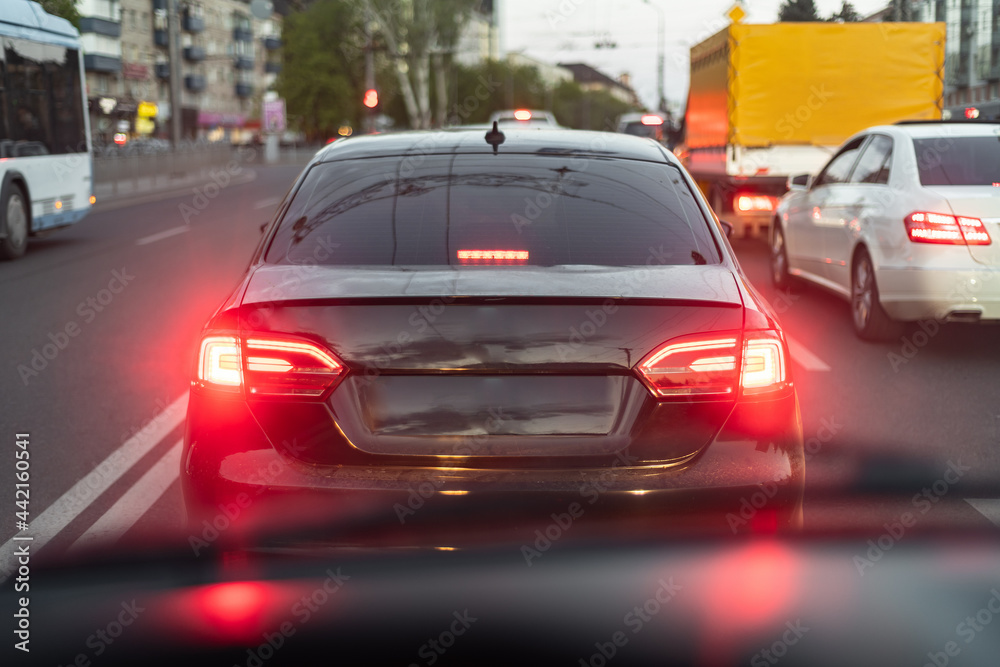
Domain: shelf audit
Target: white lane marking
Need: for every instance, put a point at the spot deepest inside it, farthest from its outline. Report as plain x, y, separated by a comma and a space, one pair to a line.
46, 525
166, 234
804, 357
264, 203
135, 502
988, 507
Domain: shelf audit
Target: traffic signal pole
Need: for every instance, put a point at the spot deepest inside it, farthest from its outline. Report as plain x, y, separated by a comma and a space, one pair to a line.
369, 123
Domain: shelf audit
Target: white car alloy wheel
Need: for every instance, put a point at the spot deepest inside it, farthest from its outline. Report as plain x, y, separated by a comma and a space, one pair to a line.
870, 320
779, 259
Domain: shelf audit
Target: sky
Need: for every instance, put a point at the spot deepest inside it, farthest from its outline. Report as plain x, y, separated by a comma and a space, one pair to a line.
566, 31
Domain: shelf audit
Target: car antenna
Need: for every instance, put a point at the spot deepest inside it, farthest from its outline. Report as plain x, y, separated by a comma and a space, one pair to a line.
495, 137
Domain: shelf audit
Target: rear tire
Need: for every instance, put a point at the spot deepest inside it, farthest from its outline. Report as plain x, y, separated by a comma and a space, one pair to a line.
871, 322
780, 276
13, 221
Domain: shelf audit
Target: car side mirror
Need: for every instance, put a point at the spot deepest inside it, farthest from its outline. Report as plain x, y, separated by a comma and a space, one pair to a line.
728, 227
800, 182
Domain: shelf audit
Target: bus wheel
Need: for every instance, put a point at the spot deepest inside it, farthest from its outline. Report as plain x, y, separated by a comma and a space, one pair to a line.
13, 221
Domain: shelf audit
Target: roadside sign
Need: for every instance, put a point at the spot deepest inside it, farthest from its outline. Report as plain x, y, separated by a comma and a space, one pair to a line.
274, 115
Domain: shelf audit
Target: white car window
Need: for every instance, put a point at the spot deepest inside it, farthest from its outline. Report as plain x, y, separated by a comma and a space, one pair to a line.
839, 168
873, 165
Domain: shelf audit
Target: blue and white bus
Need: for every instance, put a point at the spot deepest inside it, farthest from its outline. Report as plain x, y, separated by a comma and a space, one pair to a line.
45, 165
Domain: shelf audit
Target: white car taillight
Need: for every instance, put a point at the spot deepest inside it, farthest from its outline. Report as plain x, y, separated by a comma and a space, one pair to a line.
945, 229
763, 363
219, 362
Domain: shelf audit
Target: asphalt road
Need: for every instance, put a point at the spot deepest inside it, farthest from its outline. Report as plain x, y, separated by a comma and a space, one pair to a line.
100, 323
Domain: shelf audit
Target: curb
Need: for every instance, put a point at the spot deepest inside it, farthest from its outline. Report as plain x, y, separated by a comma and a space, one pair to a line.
160, 194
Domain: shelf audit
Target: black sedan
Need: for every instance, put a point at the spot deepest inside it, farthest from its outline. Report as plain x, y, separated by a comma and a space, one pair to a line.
533, 314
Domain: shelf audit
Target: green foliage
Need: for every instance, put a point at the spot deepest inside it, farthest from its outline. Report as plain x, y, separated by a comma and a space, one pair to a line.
64, 8
847, 14
494, 86
798, 10
322, 78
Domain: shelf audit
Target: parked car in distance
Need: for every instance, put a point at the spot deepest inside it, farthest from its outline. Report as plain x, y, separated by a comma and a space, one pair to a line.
646, 124
903, 221
524, 118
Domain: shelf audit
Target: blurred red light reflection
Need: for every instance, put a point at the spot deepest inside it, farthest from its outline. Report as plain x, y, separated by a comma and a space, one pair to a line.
751, 587
236, 606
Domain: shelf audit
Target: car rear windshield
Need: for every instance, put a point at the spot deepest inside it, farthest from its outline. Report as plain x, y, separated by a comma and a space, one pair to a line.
515, 208
959, 160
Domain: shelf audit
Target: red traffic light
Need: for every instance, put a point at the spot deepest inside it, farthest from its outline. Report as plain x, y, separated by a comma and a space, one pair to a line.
371, 98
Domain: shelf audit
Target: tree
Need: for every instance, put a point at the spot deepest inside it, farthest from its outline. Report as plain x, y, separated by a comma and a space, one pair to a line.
322, 78
847, 14
417, 33
64, 8
798, 10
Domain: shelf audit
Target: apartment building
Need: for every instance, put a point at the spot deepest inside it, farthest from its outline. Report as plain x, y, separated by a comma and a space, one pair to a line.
229, 58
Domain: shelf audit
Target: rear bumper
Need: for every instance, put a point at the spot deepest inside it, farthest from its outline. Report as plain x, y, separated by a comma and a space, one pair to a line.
910, 294
751, 475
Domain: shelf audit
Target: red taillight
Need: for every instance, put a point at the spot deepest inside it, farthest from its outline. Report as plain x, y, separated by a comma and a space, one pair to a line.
747, 203
651, 119
716, 366
692, 367
267, 366
942, 228
522, 114
275, 367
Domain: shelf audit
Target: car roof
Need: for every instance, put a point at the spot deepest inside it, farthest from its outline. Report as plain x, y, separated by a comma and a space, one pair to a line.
473, 141
934, 130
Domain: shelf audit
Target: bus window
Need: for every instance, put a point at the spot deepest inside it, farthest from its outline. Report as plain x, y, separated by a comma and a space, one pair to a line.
44, 105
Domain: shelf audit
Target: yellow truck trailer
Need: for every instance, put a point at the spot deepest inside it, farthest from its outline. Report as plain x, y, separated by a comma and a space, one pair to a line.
767, 102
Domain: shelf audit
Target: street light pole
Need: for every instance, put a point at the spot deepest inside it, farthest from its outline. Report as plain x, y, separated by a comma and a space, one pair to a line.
661, 45
173, 53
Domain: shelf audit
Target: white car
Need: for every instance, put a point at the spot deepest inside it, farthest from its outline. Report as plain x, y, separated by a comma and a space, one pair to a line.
904, 221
